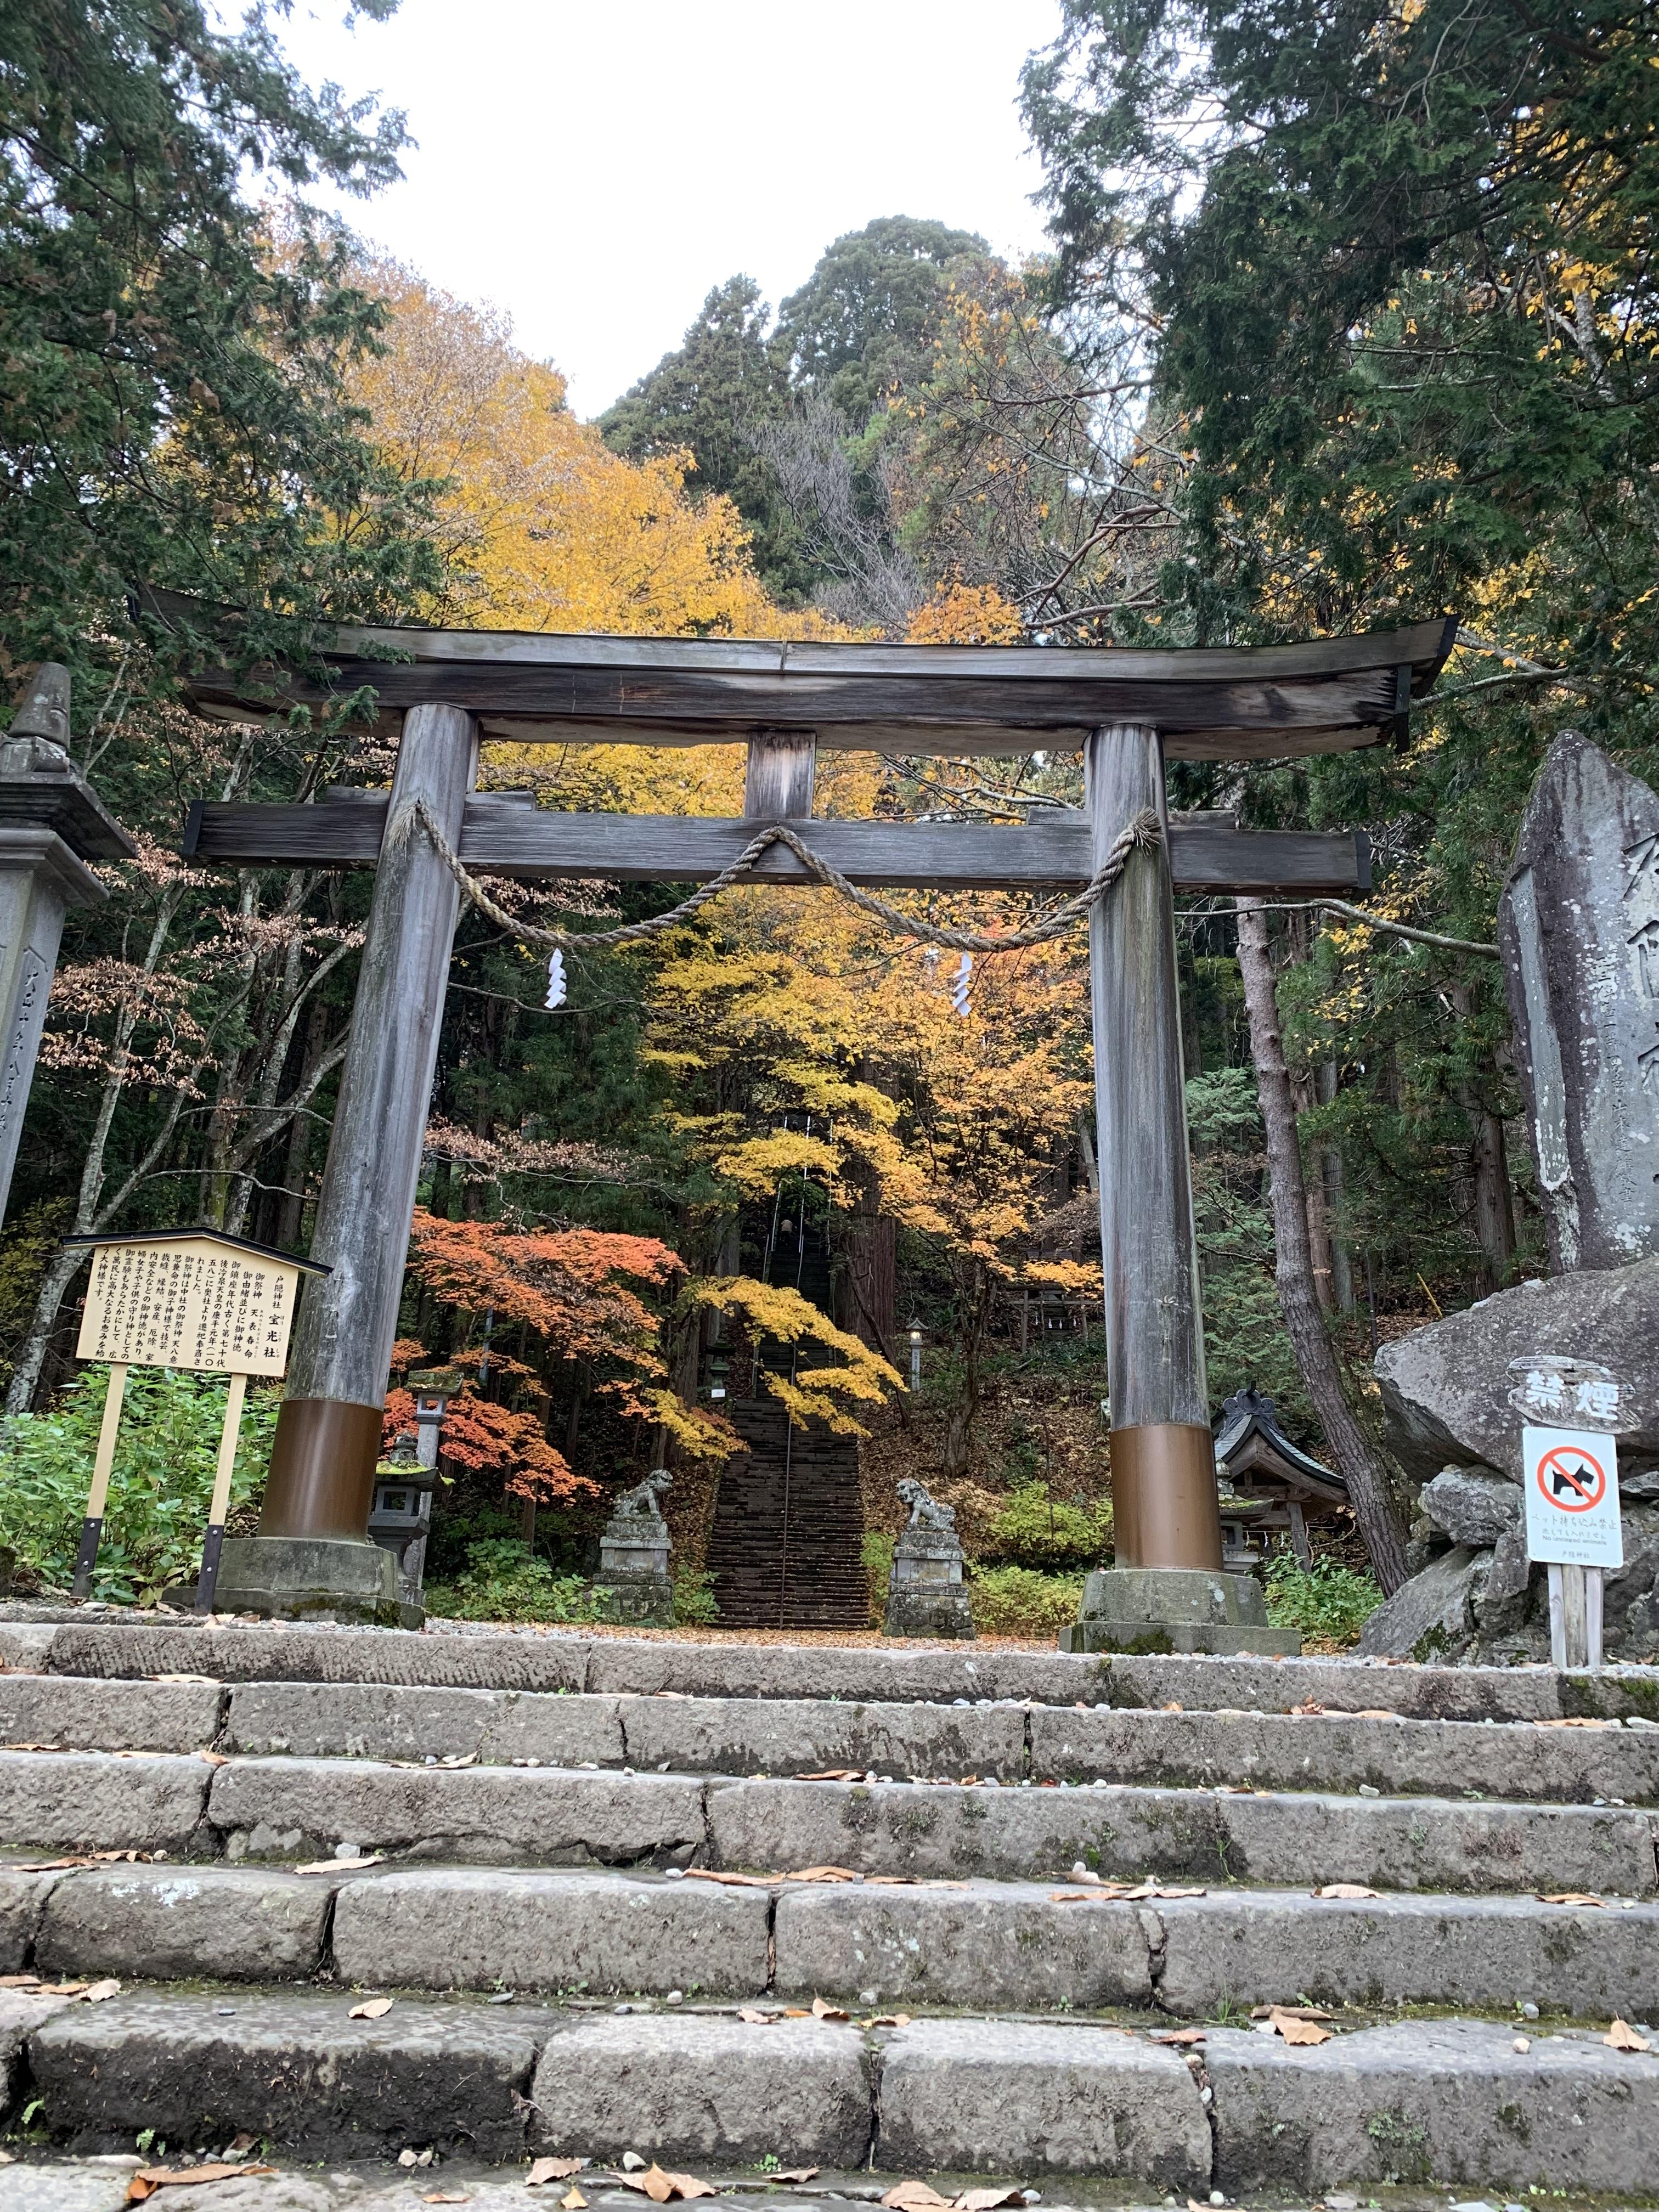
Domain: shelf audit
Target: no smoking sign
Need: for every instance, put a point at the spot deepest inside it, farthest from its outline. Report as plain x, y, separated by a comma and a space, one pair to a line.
1571, 1485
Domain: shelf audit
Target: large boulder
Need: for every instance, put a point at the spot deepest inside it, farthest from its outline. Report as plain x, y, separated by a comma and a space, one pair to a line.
1471, 1505
1433, 1615
1458, 1389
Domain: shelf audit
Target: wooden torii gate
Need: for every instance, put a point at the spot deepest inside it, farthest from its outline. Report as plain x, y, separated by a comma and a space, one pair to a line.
1126, 711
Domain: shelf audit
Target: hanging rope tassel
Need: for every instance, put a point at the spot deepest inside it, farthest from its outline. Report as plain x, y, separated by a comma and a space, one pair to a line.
1142, 835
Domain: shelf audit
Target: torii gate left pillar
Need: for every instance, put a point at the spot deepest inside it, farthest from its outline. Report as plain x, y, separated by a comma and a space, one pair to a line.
312, 1554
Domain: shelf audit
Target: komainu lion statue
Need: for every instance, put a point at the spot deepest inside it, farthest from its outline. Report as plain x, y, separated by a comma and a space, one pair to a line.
643, 1502
926, 1511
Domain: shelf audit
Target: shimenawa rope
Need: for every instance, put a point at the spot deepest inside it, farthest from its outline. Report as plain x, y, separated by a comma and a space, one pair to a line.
1142, 835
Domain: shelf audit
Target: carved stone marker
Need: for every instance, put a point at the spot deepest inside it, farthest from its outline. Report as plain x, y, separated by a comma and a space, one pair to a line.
634, 1557
1578, 926
51, 823
924, 1595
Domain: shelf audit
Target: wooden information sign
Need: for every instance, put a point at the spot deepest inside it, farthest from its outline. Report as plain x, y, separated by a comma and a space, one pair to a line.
200, 1303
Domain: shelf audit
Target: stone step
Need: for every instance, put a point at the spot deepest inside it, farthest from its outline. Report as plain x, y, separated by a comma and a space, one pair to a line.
1609, 1763
612, 1666
1012, 1947
1451, 2100
288, 1808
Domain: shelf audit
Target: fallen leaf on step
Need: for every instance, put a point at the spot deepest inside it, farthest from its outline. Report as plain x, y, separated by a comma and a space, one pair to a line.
1578, 1720
1309, 1705
552, 2169
1182, 2035
19, 1981
374, 2009
446, 2197
460, 1759
573, 2201
1621, 2036
1345, 1889
915, 2196
213, 1757
150, 2179
340, 1866
1173, 1708
834, 1774
732, 1881
100, 1992
1371, 1713
794, 2012
53, 1746
887, 2020
662, 2188
207, 1681
822, 2011
64, 1988
1079, 1896
986, 2200
1568, 1896
756, 2019
823, 1874
791, 2174
1295, 2029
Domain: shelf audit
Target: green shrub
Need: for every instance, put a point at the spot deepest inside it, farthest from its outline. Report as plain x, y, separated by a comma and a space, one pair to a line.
160, 1486
1034, 1529
502, 1582
694, 1598
1017, 1601
878, 1555
1332, 1602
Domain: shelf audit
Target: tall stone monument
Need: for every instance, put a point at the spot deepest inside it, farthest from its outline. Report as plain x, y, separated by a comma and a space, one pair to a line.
51, 822
1578, 927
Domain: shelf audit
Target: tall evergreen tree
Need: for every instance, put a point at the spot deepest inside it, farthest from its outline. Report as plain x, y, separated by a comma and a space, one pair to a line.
865, 321
173, 408
710, 397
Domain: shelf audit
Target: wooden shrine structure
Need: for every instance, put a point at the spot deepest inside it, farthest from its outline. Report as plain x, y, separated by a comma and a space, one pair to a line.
1126, 711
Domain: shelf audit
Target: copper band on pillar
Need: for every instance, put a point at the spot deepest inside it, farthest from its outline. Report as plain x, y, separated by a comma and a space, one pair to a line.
1163, 1497
322, 1469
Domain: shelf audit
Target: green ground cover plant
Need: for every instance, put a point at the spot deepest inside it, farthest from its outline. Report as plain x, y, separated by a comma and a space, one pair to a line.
1331, 1602
160, 1488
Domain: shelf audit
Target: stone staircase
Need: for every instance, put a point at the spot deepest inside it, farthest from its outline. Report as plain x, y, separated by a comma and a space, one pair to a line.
1022, 1932
786, 1547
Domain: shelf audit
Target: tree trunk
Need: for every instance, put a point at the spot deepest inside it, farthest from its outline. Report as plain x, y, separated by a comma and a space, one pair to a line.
1355, 1455
1330, 1165
1494, 1216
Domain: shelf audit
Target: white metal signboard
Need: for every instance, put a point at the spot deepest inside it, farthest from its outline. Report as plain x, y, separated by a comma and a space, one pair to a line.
1571, 1487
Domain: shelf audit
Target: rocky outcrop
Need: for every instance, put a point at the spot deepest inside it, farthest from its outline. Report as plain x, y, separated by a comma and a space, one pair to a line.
1456, 1391
1486, 1606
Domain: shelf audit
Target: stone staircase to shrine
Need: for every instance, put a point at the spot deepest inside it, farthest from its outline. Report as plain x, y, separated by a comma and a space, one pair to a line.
951, 1911
786, 1550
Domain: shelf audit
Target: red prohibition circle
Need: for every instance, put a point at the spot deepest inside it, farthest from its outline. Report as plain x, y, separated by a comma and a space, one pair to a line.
1582, 1493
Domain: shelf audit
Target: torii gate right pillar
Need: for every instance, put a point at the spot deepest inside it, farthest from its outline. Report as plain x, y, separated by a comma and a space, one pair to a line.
1167, 1590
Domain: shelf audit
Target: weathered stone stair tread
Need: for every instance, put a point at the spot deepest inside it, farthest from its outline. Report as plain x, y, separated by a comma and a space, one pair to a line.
1011, 1945
283, 1806
621, 1665
1413, 2100
1010, 1742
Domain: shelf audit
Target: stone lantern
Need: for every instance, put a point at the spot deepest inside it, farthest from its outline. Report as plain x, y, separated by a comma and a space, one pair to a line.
399, 1520
634, 1576
925, 1593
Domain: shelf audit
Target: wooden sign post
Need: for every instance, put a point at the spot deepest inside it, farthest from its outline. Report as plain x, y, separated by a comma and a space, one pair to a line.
199, 1303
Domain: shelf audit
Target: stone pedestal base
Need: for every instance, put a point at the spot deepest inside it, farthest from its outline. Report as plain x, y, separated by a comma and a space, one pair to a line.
1176, 1609
310, 1578
645, 1600
928, 1609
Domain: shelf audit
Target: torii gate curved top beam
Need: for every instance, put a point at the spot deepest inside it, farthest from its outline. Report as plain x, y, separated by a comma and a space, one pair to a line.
1229, 702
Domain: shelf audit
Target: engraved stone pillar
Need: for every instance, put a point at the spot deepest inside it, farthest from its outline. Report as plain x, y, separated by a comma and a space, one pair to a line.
51, 823
1578, 927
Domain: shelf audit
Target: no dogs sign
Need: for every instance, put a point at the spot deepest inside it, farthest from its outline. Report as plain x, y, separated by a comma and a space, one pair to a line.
1571, 1484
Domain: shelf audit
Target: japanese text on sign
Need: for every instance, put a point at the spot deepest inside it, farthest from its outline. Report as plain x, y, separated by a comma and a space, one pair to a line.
191, 1305
1571, 1485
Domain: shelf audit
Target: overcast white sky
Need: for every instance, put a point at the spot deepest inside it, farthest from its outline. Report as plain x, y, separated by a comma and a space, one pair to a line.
594, 169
